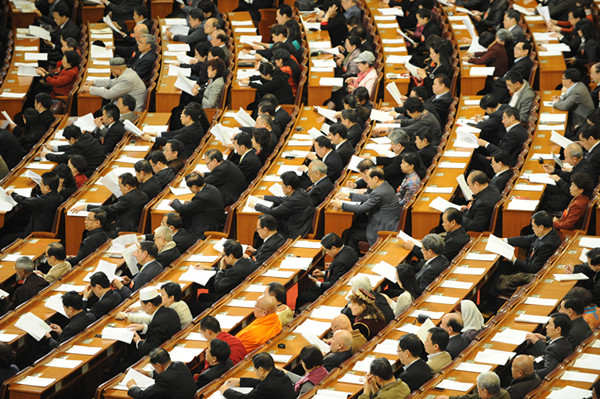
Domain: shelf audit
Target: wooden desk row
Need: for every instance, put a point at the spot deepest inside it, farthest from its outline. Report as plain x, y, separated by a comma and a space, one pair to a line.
15, 87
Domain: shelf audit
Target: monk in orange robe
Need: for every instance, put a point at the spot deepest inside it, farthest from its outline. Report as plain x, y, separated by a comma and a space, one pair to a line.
264, 327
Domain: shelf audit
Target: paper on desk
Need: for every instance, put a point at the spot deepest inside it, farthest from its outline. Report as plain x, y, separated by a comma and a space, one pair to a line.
465, 139
570, 392
570, 277
36, 56
64, 363
250, 39
528, 187
33, 326
388, 347
541, 301
441, 204
195, 336
481, 257
578, 376
227, 321
596, 344
55, 303
475, 47
8, 94
23, 70
452, 165
530, 318
292, 262
391, 11
543, 178
326, 312
70, 287
141, 380
241, 303
307, 244
510, 336
471, 271
447, 300
546, 117
350, 378
461, 285
405, 237
314, 340
118, 334
392, 88
255, 201
14, 257
330, 394
40, 165
482, 71
522, 205
184, 354
589, 242
439, 190
36, 381
363, 365
498, 246
409, 328
464, 187
84, 350
197, 276
473, 367
492, 356
202, 258
455, 385
315, 327
184, 83
278, 273
588, 361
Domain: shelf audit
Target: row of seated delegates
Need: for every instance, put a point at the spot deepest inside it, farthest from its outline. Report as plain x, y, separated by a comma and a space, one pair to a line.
271, 80
418, 118
60, 81
61, 26
141, 55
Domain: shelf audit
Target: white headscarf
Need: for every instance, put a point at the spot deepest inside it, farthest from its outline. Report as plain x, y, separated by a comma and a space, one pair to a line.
357, 282
472, 318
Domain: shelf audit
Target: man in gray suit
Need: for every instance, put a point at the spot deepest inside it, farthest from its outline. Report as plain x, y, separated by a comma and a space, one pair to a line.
521, 94
575, 98
381, 205
125, 81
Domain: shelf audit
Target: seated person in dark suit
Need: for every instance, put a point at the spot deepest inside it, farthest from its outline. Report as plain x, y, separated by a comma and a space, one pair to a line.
217, 358
340, 347
80, 143
350, 119
338, 134
580, 329
171, 379
269, 104
224, 175
196, 33
415, 372
149, 268
451, 322
144, 176
172, 150
324, 151
65, 27
98, 297
427, 151
110, 129
145, 57
93, 237
271, 240
492, 129
344, 258
477, 215
245, 157
420, 119
524, 377
167, 249
206, 210
162, 173
435, 263
442, 98
294, 212
28, 283
164, 325
78, 320
183, 238
502, 171
321, 184
554, 351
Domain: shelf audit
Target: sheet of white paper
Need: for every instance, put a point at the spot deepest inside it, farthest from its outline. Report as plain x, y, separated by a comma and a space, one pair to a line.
442, 204
198, 276
64, 363
498, 246
33, 326
461, 285
118, 334
455, 385
471, 271
482, 257
473, 367
530, 318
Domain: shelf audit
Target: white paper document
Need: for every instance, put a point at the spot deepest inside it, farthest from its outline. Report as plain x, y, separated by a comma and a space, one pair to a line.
589, 242
55, 303
530, 318
541, 301
570, 277
578, 376
197, 276
405, 237
118, 334
455, 385
33, 326
315, 327
84, 350
492, 356
481, 257
447, 300
570, 392
36, 381
464, 187
471, 271
227, 322
442, 204
64, 363
386, 270
312, 339
588, 361
498, 246
279, 273
296, 263
473, 367
482, 71
184, 354
86, 123
523, 205
461, 285
510, 336
141, 380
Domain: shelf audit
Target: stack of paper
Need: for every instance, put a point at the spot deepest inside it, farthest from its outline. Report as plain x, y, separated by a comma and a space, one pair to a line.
492, 356
441, 204
141, 380
198, 276
227, 322
386, 270
184, 354
498, 246
33, 326
291, 262
510, 336
118, 334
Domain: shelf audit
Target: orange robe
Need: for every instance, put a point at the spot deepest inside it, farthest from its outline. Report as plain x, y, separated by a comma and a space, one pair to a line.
260, 331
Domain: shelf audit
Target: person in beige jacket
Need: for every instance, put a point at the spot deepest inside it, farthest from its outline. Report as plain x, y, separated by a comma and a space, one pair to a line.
381, 384
435, 346
55, 257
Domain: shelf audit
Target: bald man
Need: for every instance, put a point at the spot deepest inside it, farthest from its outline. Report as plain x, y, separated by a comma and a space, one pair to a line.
525, 379
342, 322
341, 349
264, 327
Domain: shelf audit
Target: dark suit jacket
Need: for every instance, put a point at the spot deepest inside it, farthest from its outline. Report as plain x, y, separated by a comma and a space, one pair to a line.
226, 280
579, 331
102, 306
275, 385
42, 210
70, 29
593, 157
127, 210
553, 353
500, 181
144, 65
456, 344
334, 360
441, 106
492, 129
319, 190
229, 179
477, 217
184, 240
355, 134
151, 188
176, 382
493, 16
345, 150
282, 117
91, 240
340, 265
293, 213
454, 242
334, 165
538, 250
190, 136
337, 29
77, 324
511, 143
416, 374
520, 387
146, 274
11, 150
163, 177
206, 211
112, 137
249, 165
167, 257
427, 154
212, 373
163, 326
87, 146
268, 248
30, 287
430, 271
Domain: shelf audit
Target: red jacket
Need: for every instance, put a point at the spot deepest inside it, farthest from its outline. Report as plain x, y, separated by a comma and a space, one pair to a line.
495, 56
572, 217
63, 82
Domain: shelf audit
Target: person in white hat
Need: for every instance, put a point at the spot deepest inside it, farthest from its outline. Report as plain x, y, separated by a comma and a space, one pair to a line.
164, 324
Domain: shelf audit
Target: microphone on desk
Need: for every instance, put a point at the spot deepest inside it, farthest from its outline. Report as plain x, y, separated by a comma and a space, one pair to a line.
541, 160
421, 318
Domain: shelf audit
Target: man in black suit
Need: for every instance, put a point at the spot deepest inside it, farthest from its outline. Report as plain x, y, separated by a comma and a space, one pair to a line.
162, 173
78, 320
127, 210
415, 372
595, 77
245, 157
144, 176
477, 215
540, 246
321, 184
271, 239
149, 268
172, 150
271, 382
165, 322
426, 150
492, 129
80, 143
420, 119
224, 175
182, 238
217, 357
524, 377
580, 329
350, 119
294, 212
206, 210
401, 144
511, 143
167, 249
502, 172
442, 98
190, 134
64, 28
453, 326
324, 151
195, 34
435, 263
145, 57
98, 297
522, 65
28, 283
110, 129
589, 137
344, 258
171, 379
456, 236
280, 115
338, 134
340, 348
93, 237
554, 351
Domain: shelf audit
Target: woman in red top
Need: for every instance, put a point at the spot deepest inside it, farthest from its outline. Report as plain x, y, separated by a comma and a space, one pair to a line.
282, 59
62, 82
581, 190
78, 166
496, 52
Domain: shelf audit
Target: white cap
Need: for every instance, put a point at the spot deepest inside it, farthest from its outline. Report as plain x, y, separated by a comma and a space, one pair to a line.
148, 293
